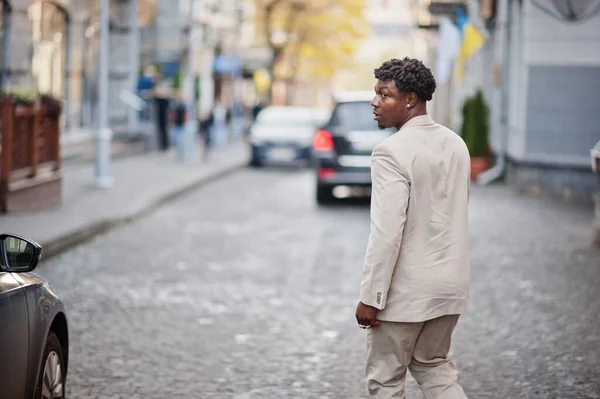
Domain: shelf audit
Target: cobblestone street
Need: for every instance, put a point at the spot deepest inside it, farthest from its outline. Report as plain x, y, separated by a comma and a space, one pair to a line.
246, 289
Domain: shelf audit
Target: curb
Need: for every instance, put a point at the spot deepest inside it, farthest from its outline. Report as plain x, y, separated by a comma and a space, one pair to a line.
56, 246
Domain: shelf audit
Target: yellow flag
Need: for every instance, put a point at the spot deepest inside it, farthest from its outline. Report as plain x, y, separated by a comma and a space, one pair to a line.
472, 42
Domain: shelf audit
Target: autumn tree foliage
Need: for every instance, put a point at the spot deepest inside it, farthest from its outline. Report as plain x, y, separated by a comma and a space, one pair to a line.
310, 38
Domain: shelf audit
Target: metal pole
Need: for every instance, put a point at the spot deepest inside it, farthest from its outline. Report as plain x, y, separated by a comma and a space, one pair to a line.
190, 70
235, 130
84, 79
67, 70
134, 63
191, 124
104, 135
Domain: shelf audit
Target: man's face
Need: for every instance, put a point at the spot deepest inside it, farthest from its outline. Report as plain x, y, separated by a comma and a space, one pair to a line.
389, 105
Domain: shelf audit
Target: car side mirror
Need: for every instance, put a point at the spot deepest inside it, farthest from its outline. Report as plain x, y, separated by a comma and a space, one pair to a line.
18, 254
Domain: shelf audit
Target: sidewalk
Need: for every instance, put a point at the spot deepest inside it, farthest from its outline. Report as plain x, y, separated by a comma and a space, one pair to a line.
141, 183
78, 145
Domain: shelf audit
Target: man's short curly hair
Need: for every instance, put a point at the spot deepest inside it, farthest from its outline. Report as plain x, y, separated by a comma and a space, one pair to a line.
410, 75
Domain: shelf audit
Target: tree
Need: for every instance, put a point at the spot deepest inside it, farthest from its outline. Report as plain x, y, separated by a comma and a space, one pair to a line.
312, 38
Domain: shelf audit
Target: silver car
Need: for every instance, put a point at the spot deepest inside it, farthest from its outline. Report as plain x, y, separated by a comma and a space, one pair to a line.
284, 134
34, 338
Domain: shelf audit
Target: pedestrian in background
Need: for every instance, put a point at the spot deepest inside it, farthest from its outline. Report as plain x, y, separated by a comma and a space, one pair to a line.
206, 126
144, 88
179, 118
218, 131
161, 94
259, 106
415, 281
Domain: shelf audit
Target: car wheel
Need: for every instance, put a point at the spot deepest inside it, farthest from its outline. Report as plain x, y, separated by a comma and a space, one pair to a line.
324, 195
51, 384
255, 159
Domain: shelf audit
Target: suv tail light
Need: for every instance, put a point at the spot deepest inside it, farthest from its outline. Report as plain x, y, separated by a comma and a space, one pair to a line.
323, 141
326, 173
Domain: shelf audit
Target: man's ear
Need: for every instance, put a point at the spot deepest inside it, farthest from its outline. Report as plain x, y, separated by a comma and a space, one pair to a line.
412, 99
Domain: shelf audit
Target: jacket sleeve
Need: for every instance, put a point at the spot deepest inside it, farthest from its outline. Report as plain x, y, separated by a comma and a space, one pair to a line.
389, 205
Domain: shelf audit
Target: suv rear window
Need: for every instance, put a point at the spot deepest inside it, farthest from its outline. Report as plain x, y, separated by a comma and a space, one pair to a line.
292, 116
354, 115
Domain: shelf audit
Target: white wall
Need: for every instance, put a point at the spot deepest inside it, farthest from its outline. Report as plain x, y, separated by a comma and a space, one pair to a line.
540, 40
548, 41
535, 39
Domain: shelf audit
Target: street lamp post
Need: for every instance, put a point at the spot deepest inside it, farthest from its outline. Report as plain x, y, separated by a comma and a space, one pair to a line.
104, 134
134, 61
191, 124
237, 75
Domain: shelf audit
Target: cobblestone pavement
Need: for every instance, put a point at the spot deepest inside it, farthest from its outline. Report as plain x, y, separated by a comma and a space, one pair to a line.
246, 289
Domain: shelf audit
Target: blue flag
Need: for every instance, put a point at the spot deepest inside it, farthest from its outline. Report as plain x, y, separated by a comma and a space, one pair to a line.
461, 18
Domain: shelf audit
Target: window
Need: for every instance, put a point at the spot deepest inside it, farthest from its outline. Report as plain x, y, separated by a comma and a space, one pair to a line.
354, 115
48, 25
291, 116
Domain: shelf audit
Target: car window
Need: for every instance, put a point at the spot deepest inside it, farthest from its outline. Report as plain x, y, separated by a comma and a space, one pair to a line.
289, 116
354, 115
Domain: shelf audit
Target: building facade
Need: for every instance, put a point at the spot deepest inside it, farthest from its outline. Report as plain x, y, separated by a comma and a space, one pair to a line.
553, 97
37, 55
539, 70
52, 47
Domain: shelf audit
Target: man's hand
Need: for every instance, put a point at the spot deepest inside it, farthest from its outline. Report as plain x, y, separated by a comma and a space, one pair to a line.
365, 315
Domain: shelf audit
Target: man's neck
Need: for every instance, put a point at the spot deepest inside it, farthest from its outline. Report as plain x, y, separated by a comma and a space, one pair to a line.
416, 111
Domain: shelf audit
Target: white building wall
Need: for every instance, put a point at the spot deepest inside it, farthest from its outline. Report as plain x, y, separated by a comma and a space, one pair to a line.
535, 39
553, 101
559, 50
548, 41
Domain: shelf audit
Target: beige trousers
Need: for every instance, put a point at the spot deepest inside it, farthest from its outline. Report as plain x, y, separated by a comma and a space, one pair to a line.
420, 347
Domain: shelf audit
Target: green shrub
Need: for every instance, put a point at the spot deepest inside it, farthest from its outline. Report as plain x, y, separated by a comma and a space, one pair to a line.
21, 95
475, 126
466, 128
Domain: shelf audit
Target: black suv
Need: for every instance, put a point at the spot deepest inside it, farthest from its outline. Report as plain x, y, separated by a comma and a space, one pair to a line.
342, 148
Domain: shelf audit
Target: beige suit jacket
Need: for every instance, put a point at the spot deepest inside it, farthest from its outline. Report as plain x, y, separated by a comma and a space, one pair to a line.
417, 263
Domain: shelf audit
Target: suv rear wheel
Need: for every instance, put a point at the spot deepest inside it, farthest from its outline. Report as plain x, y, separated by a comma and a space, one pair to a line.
255, 160
324, 195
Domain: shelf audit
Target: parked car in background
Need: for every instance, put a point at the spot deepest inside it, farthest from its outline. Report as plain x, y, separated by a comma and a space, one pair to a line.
342, 147
283, 134
34, 338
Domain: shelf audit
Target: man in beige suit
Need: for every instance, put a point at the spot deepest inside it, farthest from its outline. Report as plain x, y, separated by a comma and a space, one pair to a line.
416, 271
